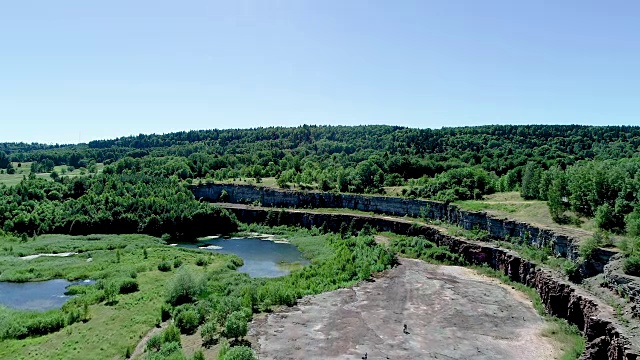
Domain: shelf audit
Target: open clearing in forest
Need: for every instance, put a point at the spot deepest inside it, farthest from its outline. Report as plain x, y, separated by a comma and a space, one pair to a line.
450, 312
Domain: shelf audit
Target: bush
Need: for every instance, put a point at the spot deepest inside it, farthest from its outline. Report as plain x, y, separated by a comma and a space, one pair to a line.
236, 325
607, 218
202, 261
128, 286
632, 265
588, 248
166, 238
165, 312
198, 355
184, 288
209, 333
164, 266
632, 223
171, 334
571, 269
111, 290
170, 350
154, 343
240, 353
177, 263
187, 321
224, 349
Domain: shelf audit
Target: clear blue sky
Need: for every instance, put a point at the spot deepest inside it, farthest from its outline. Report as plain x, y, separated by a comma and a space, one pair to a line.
86, 70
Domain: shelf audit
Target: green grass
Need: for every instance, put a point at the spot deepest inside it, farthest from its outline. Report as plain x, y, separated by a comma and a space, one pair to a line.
25, 169
512, 206
111, 328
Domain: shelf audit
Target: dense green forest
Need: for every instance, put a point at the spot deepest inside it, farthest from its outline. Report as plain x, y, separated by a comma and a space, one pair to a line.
590, 171
125, 203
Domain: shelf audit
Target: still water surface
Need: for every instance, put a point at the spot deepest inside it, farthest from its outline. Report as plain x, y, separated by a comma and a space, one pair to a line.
261, 257
39, 295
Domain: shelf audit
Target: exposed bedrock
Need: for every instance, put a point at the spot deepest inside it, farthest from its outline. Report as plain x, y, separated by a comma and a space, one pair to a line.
605, 338
561, 244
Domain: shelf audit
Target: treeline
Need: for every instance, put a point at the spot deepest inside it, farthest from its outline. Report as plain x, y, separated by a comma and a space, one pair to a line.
109, 203
357, 159
607, 191
542, 161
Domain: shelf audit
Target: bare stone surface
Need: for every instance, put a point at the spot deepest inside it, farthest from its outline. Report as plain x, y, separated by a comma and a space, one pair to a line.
450, 312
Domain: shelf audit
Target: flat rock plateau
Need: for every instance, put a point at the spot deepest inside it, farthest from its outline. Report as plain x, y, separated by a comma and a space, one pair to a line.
450, 312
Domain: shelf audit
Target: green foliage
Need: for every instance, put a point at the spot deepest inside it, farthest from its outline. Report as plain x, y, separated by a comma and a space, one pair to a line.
236, 325
171, 334
466, 183
420, 248
202, 261
571, 268
198, 355
127, 286
240, 353
127, 203
111, 290
633, 222
631, 265
154, 343
187, 321
184, 287
531, 179
165, 265
165, 312
224, 349
209, 333
128, 352
588, 248
19, 325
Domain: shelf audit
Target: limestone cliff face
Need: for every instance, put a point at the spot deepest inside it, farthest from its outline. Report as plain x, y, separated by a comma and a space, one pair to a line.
605, 338
561, 244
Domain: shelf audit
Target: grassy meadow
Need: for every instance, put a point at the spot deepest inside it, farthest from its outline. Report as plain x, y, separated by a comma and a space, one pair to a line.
114, 322
23, 170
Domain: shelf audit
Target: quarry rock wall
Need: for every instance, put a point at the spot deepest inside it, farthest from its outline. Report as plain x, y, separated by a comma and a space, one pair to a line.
501, 229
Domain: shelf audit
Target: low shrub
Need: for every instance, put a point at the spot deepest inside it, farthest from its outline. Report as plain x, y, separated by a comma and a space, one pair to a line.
187, 321
240, 353
184, 287
236, 325
128, 286
154, 343
165, 312
631, 265
171, 334
164, 266
209, 333
198, 355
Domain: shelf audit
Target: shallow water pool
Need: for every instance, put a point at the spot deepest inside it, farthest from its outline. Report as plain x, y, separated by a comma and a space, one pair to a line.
262, 258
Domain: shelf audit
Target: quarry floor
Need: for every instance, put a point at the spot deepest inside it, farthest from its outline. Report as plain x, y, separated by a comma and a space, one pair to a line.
450, 312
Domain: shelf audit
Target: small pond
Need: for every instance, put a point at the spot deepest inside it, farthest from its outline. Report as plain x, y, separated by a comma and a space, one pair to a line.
262, 258
38, 296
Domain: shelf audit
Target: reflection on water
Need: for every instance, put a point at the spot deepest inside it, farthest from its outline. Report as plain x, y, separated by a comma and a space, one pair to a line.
261, 257
39, 296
